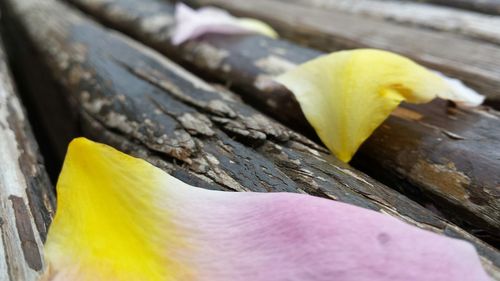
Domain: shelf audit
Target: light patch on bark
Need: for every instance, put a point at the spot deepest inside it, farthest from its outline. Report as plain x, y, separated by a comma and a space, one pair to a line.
198, 124
444, 178
407, 114
157, 23
93, 105
210, 166
221, 108
354, 175
120, 121
274, 65
212, 57
266, 83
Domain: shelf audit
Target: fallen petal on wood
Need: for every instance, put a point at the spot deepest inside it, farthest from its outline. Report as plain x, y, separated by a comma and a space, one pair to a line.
191, 24
120, 218
346, 95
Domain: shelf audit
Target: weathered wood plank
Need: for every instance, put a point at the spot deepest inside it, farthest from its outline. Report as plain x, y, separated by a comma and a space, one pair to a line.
476, 63
470, 24
128, 94
26, 194
484, 6
412, 150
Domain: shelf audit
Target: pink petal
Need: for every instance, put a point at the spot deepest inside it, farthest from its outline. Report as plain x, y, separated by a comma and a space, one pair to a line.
191, 24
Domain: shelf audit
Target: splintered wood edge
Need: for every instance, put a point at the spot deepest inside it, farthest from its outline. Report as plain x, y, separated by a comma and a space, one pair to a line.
23, 203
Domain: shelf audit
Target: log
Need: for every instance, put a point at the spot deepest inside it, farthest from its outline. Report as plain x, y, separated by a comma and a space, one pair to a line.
470, 24
491, 7
427, 142
130, 95
476, 63
26, 194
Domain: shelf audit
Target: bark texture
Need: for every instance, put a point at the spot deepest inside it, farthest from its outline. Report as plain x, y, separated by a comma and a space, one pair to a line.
26, 194
414, 150
131, 97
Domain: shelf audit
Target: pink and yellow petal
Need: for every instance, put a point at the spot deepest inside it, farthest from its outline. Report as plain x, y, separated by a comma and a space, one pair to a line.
120, 218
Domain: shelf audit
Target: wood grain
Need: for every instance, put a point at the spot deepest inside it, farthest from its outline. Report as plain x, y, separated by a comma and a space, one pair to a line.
26, 194
132, 97
483, 6
470, 24
410, 151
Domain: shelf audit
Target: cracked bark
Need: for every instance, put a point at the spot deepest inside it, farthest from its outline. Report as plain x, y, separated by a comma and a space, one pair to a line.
131, 97
26, 194
413, 150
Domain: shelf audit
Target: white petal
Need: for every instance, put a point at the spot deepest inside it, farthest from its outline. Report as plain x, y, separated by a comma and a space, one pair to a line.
460, 94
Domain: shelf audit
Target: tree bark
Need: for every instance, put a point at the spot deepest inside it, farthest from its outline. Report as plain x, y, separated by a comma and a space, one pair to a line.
26, 194
433, 152
131, 97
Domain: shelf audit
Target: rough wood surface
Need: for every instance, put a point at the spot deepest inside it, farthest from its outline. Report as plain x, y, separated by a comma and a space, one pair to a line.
129, 95
484, 6
26, 194
413, 150
470, 24
476, 63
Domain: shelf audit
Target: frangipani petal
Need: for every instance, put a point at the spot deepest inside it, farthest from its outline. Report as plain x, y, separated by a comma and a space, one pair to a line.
346, 95
191, 24
120, 218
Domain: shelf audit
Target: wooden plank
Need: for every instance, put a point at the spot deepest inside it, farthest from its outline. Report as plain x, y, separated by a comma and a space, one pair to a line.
483, 6
427, 142
470, 24
26, 194
129, 95
476, 63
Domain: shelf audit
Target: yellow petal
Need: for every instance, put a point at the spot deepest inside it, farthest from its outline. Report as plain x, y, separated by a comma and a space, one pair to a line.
258, 26
346, 95
102, 221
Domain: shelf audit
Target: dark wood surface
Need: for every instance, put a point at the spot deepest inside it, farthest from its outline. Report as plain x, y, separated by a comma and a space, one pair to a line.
26, 194
131, 97
413, 150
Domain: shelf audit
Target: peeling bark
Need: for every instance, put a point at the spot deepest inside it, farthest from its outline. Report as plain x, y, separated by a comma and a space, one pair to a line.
26, 194
412, 150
